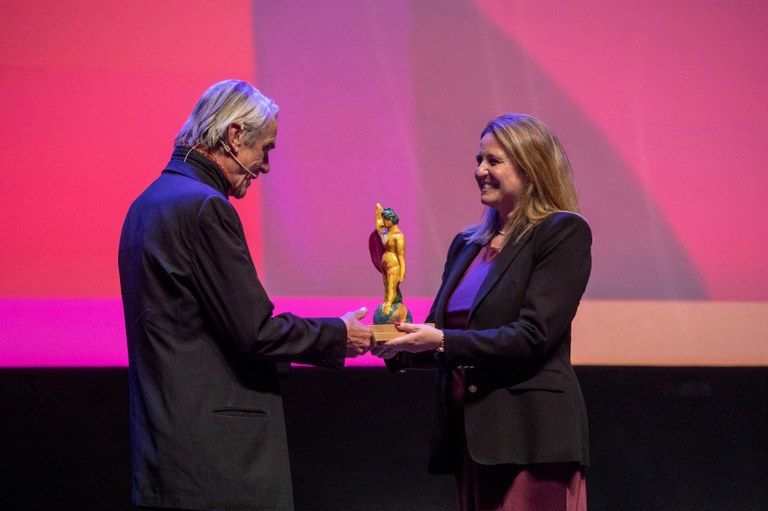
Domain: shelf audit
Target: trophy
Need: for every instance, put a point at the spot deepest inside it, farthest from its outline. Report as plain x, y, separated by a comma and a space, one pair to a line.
387, 247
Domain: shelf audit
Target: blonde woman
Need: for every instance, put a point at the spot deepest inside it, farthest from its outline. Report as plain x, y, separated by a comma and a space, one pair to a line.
512, 420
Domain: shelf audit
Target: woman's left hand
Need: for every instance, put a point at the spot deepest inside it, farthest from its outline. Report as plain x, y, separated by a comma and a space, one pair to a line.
418, 338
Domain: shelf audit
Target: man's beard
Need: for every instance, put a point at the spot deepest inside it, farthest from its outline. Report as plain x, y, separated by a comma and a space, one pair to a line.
240, 191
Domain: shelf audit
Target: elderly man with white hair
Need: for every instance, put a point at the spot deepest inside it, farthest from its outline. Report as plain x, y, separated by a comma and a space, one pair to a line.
207, 427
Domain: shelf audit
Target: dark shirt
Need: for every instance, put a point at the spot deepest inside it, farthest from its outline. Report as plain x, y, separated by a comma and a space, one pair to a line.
460, 302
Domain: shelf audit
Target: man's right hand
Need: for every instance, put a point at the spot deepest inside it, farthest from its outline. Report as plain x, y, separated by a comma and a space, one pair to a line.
359, 336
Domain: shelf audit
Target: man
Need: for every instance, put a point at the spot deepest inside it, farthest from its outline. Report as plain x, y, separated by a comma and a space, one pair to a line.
207, 427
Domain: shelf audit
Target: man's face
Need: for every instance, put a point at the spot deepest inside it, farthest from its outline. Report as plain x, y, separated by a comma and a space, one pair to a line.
255, 157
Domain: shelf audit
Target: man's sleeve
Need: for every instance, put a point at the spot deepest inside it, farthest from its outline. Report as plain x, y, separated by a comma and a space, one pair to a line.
238, 306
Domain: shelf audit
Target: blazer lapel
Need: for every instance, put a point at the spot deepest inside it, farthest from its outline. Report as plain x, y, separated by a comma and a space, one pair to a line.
503, 260
463, 260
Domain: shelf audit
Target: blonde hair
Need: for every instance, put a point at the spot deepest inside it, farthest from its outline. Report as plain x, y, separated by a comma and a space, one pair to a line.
547, 178
222, 104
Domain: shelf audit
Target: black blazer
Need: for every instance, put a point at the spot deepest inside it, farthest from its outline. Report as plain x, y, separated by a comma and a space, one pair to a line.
207, 427
523, 401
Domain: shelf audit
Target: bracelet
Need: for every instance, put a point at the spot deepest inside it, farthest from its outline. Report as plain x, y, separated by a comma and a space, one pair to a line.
441, 347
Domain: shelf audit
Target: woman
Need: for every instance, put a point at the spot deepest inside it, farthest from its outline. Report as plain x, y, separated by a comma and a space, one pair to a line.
512, 420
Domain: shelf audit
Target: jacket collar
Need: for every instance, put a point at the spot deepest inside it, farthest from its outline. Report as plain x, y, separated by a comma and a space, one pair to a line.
464, 259
197, 165
503, 260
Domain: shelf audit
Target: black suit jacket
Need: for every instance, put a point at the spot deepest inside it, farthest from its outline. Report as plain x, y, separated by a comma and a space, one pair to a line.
207, 427
523, 401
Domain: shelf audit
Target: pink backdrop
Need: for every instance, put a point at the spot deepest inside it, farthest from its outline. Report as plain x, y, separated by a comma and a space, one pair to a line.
661, 108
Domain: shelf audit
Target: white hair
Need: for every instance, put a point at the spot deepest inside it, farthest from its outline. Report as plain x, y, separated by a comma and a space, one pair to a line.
222, 104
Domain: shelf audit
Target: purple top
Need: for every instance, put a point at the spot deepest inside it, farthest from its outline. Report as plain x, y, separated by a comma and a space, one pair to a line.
460, 301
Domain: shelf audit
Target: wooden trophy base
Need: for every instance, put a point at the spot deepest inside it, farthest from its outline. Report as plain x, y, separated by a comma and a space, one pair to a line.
383, 333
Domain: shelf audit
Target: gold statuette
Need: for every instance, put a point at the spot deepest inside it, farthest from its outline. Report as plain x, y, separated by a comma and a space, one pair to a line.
387, 247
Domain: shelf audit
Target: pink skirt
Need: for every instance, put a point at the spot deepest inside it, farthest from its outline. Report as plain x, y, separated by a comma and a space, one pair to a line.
540, 487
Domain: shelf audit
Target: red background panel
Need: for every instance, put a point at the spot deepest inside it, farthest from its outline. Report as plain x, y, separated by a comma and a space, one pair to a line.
92, 95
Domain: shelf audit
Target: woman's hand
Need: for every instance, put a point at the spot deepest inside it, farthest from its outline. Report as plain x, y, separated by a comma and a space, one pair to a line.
418, 338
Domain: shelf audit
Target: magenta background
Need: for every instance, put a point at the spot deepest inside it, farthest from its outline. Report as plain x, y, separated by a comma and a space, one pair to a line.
661, 107
81, 331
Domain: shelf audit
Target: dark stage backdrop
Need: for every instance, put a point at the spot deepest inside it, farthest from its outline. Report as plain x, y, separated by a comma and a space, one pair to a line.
662, 439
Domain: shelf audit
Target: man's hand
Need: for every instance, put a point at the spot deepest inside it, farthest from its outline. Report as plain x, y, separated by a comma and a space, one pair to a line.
359, 336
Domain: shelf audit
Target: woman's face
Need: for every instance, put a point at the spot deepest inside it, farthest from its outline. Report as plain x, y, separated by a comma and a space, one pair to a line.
499, 178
